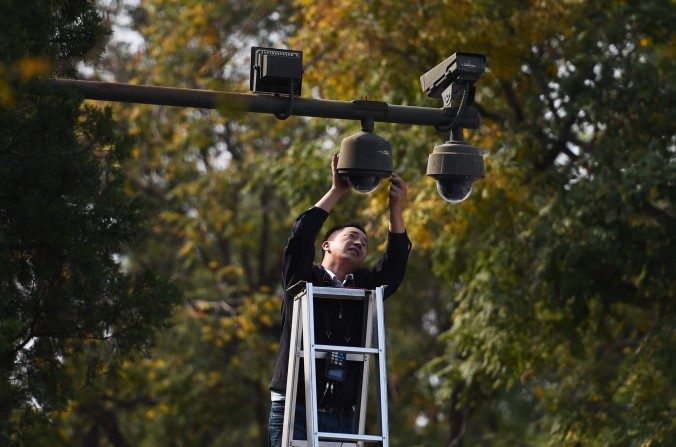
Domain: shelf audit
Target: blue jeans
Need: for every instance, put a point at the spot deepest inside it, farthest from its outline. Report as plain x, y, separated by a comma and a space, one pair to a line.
331, 423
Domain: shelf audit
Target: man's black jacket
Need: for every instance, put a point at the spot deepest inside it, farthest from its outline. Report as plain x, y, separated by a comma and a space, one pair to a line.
337, 322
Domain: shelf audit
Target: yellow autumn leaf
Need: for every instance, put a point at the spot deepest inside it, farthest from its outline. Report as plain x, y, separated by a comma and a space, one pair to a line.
31, 67
186, 248
539, 391
266, 320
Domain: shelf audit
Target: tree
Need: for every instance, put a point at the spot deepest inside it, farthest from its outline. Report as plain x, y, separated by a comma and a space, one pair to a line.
545, 300
225, 190
64, 217
217, 224
557, 267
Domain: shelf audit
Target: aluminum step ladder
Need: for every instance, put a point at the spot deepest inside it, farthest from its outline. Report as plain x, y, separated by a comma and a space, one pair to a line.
302, 329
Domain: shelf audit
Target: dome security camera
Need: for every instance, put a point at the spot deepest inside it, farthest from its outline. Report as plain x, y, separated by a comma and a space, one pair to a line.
365, 159
455, 165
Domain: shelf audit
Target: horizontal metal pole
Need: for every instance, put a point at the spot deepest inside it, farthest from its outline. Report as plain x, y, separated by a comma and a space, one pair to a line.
267, 103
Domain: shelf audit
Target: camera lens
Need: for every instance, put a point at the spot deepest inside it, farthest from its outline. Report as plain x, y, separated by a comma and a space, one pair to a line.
363, 183
454, 190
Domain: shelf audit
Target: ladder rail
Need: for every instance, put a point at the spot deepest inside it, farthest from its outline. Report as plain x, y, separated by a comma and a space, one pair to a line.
292, 377
312, 424
367, 326
382, 370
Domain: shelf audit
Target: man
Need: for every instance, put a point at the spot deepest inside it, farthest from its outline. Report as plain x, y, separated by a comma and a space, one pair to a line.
337, 322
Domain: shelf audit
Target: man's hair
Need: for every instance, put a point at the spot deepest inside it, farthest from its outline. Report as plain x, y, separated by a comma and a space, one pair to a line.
336, 228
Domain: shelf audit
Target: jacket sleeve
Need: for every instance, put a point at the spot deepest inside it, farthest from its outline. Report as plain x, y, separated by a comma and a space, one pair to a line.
391, 268
299, 251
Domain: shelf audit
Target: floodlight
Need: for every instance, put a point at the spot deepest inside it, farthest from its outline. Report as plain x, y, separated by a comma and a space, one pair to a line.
275, 70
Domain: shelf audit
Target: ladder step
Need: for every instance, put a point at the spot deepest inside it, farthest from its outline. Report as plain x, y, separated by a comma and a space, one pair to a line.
348, 437
347, 349
350, 357
325, 444
339, 439
339, 293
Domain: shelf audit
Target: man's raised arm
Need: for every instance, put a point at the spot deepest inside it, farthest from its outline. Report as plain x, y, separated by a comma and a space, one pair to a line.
391, 268
398, 190
338, 188
299, 251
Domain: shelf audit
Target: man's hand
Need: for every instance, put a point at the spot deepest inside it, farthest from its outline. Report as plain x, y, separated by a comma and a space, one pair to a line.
338, 183
338, 188
398, 190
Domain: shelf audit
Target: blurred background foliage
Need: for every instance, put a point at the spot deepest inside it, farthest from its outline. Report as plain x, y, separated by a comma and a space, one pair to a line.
538, 312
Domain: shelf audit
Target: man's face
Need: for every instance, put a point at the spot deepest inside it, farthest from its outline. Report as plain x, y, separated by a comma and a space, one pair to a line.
347, 245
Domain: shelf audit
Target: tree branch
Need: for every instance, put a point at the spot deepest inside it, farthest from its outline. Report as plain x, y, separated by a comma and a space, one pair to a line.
512, 100
496, 117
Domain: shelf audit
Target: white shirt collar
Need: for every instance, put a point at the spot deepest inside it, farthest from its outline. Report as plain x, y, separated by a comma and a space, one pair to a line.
333, 276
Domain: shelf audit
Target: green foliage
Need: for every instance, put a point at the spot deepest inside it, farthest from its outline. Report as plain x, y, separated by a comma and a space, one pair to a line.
558, 267
200, 387
539, 311
578, 294
64, 217
217, 225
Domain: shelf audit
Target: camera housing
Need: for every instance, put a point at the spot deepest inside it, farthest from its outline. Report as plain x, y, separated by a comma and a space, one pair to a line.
275, 70
455, 165
365, 159
460, 68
